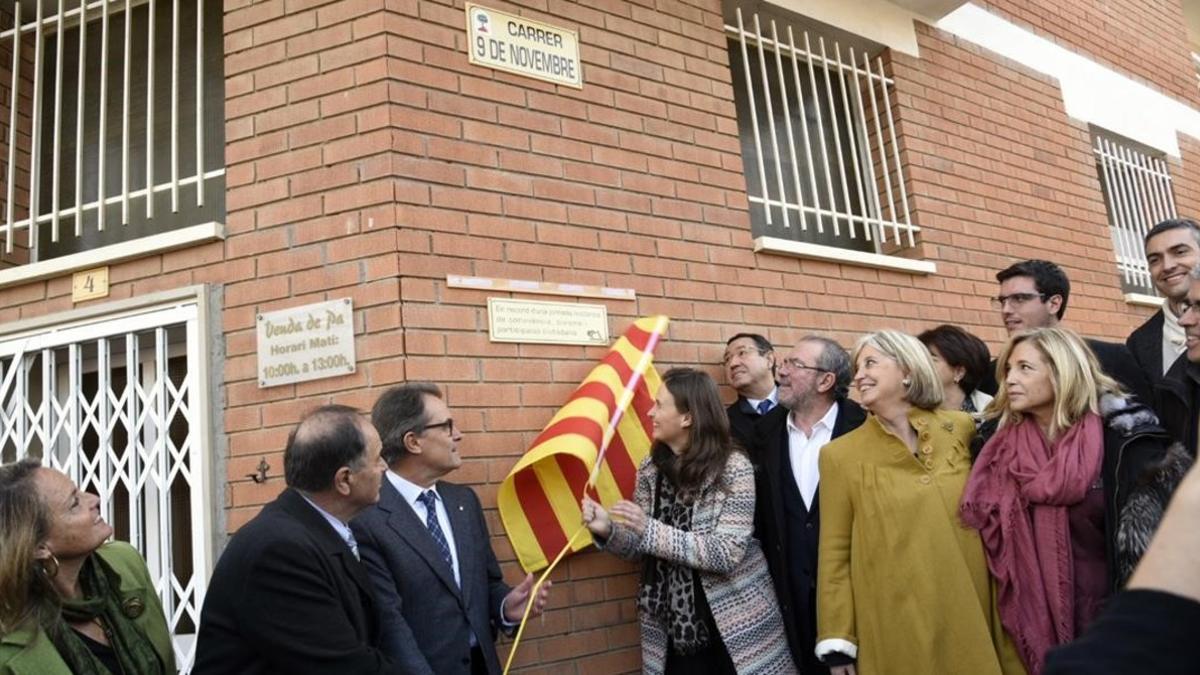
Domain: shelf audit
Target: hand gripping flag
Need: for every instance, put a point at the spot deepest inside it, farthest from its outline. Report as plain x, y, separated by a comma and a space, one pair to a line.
595, 441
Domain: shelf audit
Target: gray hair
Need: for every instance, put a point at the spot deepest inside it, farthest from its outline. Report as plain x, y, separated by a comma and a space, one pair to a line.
833, 359
398, 412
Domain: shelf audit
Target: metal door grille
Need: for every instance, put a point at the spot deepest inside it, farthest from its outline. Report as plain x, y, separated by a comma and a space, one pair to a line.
113, 404
1137, 194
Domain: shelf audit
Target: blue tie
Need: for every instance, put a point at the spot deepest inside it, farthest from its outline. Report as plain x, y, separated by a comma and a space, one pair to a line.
429, 499
764, 406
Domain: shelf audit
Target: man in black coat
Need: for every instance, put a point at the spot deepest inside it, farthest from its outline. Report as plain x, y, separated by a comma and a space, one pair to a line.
1034, 294
427, 549
1172, 250
813, 409
289, 594
1178, 393
750, 369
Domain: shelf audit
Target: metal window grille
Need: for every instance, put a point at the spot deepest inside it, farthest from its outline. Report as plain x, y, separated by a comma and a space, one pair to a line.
1137, 194
114, 122
819, 139
115, 405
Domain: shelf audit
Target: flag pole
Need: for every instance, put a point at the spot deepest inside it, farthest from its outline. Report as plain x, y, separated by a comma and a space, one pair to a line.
627, 395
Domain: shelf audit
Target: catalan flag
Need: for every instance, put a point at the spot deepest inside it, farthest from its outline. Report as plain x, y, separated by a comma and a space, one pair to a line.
599, 436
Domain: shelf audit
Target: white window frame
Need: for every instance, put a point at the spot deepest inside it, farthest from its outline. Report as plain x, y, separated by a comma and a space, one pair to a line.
1137, 195
99, 15
876, 176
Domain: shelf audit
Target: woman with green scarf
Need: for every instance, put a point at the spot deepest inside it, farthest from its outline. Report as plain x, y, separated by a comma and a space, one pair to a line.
69, 602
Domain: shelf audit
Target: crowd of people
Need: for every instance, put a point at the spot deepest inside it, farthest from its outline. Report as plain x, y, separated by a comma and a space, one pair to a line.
961, 514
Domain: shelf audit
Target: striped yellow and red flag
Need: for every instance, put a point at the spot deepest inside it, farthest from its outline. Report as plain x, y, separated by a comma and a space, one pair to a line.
596, 440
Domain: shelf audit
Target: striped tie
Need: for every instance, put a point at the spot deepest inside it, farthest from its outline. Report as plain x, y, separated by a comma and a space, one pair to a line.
429, 499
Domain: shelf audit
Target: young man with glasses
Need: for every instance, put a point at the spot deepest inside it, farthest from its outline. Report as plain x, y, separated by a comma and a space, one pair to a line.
749, 363
1034, 294
813, 409
426, 546
1172, 250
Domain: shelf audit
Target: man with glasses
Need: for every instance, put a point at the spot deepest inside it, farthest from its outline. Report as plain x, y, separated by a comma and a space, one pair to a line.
1172, 250
1178, 392
750, 369
1034, 294
813, 381
427, 549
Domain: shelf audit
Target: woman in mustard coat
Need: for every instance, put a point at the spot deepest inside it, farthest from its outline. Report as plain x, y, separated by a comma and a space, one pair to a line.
902, 585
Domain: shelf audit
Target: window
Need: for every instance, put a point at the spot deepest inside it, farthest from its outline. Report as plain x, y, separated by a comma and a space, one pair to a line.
111, 123
1137, 194
818, 138
119, 405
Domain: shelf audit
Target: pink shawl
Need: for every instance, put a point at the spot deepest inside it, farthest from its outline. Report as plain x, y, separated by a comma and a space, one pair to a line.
1017, 497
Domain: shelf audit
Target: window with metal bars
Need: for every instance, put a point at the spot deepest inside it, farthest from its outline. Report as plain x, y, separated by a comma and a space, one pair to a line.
1137, 194
818, 137
111, 123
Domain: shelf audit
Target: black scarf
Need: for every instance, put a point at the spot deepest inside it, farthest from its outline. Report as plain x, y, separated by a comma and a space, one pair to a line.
668, 590
102, 602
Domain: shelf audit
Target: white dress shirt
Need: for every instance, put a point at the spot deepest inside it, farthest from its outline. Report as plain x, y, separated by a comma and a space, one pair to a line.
338, 526
410, 492
773, 397
1173, 339
804, 451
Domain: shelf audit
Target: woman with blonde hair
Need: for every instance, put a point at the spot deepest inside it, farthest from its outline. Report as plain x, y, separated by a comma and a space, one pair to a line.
901, 584
706, 603
1067, 491
69, 602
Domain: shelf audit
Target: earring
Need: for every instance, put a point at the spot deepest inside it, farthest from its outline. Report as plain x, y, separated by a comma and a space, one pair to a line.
49, 566
906, 382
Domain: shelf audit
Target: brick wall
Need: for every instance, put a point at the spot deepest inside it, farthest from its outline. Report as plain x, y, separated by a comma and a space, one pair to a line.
1145, 40
367, 159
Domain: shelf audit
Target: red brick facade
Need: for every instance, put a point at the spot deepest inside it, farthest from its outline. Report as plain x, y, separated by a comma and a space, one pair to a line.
367, 159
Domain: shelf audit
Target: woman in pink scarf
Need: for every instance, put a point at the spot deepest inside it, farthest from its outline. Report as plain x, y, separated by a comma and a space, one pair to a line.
1049, 490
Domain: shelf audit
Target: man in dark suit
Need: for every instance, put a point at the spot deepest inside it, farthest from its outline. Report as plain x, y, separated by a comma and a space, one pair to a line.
813, 409
427, 550
750, 369
1034, 294
1178, 393
1172, 250
289, 594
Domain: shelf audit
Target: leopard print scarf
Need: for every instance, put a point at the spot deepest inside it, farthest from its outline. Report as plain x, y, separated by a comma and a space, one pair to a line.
668, 591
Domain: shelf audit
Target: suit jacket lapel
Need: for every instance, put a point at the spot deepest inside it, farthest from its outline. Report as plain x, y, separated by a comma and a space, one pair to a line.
774, 466
404, 521
465, 538
1148, 345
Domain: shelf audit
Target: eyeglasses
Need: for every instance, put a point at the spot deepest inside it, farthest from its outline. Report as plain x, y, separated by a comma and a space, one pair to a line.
448, 425
1184, 306
740, 353
1017, 299
797, 364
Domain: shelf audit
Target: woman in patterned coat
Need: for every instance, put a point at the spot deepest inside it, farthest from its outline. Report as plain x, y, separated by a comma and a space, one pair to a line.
706, 601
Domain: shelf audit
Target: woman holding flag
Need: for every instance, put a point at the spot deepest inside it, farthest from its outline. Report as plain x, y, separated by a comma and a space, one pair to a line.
706, 602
